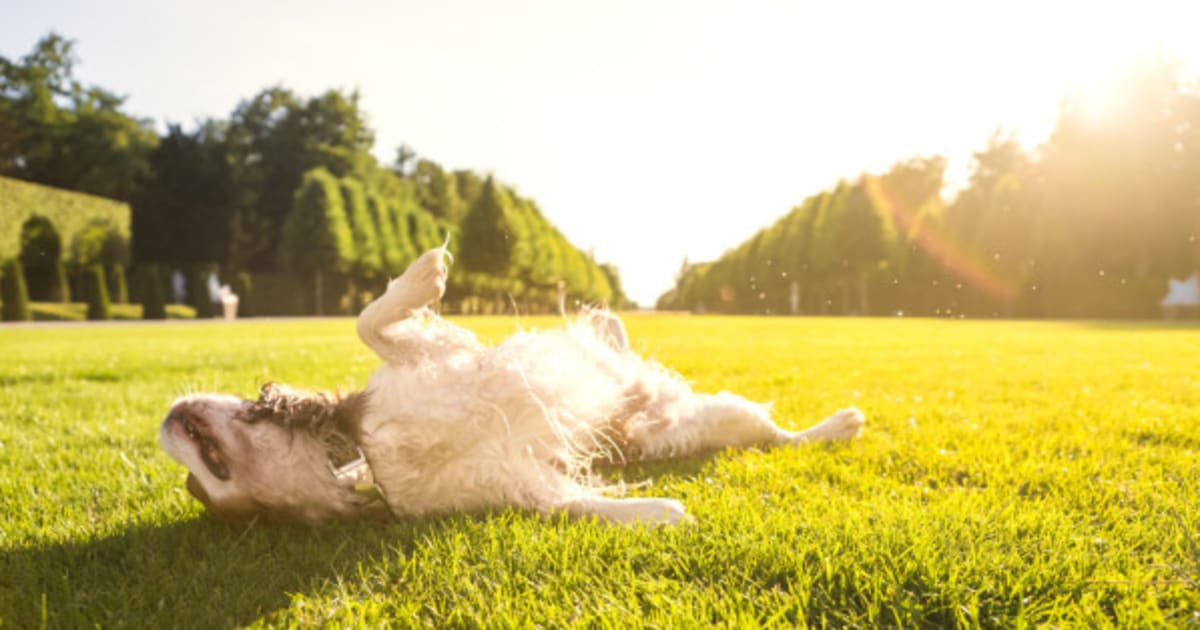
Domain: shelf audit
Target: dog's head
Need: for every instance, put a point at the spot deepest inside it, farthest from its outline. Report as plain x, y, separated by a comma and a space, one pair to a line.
271, 457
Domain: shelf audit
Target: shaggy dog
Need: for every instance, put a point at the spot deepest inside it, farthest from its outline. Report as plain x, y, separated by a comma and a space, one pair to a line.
448, 424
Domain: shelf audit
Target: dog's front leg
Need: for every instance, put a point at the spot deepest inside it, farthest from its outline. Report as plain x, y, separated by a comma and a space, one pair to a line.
392, 325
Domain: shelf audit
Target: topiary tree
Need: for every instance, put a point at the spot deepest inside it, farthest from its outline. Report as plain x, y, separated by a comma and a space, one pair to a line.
13, 293
95, 291
150, 288
120, 287
316, 235
368, 261
389, 242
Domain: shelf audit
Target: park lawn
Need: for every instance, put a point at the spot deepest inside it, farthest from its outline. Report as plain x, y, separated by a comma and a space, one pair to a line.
1011, 473
77, 311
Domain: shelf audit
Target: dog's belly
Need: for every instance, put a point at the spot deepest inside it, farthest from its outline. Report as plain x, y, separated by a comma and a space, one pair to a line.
442, 438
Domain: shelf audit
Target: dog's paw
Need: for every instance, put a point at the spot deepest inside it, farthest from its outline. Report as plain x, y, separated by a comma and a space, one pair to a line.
846, 424
656, 512
424, 282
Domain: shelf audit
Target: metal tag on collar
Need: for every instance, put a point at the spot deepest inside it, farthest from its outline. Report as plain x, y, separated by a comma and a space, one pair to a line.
358, 475
353, 472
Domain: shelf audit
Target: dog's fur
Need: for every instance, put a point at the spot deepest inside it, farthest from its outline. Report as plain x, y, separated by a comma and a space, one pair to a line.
448, 424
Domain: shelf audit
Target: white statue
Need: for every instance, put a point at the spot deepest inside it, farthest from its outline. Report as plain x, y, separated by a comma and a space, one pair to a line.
1184, 293
1183, 297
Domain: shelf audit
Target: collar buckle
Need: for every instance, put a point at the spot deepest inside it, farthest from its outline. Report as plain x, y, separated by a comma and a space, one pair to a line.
357, 475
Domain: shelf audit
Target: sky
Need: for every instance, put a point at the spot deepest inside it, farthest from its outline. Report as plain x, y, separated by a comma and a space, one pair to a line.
648, 131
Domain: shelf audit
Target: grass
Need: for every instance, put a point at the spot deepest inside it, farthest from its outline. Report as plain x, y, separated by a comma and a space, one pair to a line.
1012, 474
77, 311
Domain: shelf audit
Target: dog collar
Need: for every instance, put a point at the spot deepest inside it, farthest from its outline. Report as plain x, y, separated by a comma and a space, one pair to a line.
357, 474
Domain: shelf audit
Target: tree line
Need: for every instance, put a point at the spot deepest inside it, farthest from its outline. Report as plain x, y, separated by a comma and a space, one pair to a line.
284, 198
1090, 224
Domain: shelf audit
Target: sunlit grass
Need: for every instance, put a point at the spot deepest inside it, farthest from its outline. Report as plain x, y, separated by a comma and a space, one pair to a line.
1011, 473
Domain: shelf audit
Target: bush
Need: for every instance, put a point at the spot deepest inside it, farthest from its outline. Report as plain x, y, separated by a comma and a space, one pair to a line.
13, 293
150, 292
95, 292
116, 280
69, 212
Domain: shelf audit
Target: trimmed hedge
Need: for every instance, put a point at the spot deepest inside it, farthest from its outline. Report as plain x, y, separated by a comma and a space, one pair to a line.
41, 256
70, 212
13, 293
120, 287
95, 291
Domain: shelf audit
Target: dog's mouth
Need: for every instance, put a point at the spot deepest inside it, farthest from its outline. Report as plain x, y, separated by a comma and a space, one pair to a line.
197, 490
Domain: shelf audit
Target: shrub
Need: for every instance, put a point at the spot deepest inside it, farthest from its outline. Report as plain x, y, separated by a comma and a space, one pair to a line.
150, 291
13, 293
68, 211
95, 291
116, 280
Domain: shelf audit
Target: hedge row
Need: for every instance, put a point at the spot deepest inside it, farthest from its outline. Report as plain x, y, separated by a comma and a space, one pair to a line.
70, 212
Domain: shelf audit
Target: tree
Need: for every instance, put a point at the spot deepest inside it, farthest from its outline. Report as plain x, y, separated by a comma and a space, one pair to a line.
437, 192
368, 260
184, 211
275, 138
390, 243
56, 131
316, 235
487, 234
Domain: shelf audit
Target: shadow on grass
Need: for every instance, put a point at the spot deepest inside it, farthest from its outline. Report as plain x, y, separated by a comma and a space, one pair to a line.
637, 472
202, 574
189, 574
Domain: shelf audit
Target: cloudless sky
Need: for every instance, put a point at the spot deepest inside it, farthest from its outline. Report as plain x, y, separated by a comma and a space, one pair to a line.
648, 131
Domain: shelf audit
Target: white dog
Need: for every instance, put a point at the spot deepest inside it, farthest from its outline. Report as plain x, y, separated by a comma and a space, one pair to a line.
449, 424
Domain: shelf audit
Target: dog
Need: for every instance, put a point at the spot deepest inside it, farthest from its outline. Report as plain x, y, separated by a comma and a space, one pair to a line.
448, 424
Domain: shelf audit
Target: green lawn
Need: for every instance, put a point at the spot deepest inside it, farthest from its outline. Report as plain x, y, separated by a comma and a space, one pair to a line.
1012, 473
77, 311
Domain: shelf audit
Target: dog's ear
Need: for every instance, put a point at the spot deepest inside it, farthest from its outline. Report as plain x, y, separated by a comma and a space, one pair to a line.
332, 419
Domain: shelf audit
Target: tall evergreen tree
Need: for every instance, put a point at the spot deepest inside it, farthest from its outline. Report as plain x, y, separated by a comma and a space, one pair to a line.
368, 260
316, 236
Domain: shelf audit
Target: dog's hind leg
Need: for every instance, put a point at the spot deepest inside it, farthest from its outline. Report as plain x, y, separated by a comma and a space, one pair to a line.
399, 327
704, 422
